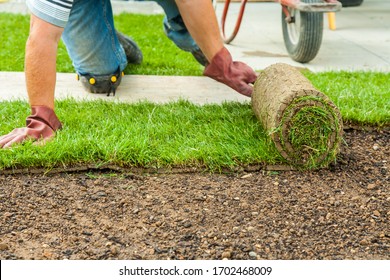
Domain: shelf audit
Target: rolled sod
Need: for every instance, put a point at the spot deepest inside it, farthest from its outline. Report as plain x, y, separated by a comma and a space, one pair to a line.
305, 125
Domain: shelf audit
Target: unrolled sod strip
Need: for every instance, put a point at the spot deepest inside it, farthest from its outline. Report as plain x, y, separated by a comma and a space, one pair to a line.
305, 125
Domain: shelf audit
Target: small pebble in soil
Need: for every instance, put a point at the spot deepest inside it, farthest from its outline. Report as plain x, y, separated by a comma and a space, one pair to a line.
226, 255
3, 247
250, 229
246, 176
364, 242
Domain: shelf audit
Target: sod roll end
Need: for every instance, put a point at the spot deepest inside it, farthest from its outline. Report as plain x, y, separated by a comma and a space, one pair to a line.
305, 125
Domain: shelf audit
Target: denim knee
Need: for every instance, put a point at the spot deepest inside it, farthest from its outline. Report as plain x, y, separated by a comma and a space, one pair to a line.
90, 38
176, 30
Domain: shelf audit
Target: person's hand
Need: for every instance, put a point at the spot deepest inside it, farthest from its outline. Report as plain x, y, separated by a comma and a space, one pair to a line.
40, 125
234, 74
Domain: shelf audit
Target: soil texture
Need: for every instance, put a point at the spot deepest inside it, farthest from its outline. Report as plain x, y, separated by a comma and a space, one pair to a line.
341, 212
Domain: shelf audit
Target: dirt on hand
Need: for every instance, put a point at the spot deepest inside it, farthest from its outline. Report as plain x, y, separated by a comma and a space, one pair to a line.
337, 213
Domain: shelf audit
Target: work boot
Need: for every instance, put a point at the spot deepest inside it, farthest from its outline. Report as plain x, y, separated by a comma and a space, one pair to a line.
101, 83
132, 51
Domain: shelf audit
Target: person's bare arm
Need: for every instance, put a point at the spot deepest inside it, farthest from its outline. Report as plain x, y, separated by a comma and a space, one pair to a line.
40, 70
40, 62
201, 21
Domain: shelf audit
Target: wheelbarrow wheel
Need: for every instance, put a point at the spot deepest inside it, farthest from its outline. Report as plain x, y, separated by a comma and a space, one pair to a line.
303, 33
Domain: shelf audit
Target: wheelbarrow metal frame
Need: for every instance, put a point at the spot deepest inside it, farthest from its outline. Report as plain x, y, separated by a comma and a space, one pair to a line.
324, 6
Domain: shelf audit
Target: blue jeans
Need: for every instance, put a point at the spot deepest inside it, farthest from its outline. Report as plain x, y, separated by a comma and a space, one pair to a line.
90, 38
91, 41
174, 26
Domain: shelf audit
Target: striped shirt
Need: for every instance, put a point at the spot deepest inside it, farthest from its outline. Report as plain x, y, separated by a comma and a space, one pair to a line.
53, 11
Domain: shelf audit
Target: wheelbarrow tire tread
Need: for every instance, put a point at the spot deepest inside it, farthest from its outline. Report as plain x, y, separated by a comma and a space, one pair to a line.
309, 39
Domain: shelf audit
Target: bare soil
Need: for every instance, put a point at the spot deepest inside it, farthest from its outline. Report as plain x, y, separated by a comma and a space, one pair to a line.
337, 213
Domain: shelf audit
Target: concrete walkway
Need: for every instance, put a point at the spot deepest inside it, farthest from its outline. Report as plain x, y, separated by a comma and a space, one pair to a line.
134, 88
360, 42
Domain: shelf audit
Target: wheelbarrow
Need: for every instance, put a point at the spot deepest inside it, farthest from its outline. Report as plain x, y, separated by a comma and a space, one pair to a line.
302, 25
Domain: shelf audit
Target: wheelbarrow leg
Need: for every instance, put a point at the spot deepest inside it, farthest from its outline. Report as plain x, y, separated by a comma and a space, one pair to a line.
332, 20
228, 38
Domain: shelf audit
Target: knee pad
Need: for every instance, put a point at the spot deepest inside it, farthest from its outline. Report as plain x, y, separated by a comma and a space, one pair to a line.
101, 83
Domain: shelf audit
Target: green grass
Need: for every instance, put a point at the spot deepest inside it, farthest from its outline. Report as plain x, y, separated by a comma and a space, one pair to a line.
362, 97
176, 134
143, 135
161, 56
310, 137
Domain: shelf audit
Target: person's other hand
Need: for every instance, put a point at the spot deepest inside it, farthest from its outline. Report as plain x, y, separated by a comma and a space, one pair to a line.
234, 74
40, 125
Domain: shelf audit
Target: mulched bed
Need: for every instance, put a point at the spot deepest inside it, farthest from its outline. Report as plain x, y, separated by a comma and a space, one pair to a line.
337, 213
